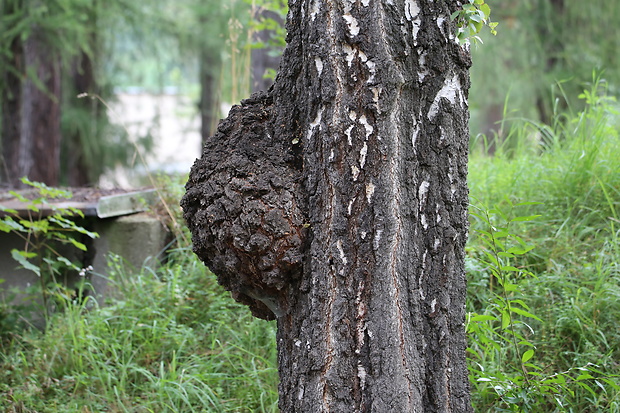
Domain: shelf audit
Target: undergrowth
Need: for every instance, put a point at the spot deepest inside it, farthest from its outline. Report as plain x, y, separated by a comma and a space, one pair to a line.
562, 354
170, 341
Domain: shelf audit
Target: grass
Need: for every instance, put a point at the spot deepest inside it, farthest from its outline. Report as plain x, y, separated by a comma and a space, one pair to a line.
172, 340
570, 174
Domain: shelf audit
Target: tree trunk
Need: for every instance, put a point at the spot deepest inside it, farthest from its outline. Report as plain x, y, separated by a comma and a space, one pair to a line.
265, 57
31, 114
78, 170
337, 203
11, 94
210, 65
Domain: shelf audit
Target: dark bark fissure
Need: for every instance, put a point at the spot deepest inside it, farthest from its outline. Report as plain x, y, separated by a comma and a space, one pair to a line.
366, 124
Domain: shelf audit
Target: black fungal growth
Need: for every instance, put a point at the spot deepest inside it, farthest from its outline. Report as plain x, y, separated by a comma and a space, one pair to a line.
241, 206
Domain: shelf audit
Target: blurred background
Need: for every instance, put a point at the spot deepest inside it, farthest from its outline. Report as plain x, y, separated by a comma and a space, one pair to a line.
96, 92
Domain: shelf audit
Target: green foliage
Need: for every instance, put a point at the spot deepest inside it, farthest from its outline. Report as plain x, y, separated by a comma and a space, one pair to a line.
262, 10
45, 238
471, 19
79, 35
542, 323
503, 364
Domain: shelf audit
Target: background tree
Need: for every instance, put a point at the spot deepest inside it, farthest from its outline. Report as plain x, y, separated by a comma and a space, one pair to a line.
543, 43
30, 91
50, 52
267, 25
337, 203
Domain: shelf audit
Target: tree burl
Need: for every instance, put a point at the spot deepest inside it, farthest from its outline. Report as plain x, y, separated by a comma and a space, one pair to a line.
243, 208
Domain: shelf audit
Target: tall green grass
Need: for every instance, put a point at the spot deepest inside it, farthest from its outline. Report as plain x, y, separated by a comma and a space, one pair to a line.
170, 341
569, 172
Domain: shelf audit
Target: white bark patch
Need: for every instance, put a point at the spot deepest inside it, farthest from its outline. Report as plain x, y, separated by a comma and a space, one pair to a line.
351, 21
433, 305
352, 115
415, 132
363, 153
367, 126
316, 122
319, 65
355, 171
422, 296
341, 251
350, 54
314, 9
452, 185
348, 133
412, 10
451, 90
423, 221
361, 315
436, 244
350, 207
412, 13
331, 155
363, 234
423, 192
376, 91
440, 21
370, 190
361, 374
422, 62
377, 239
362, 56
365, 3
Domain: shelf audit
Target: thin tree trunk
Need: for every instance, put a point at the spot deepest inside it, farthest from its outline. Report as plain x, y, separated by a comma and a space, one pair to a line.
360, 153
10, 117
210, 65
78, 171
31, 115
265, 57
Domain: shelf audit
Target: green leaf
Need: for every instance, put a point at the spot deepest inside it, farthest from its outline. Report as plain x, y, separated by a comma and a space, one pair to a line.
505, 320
527, 355
7, 210
510, 268
524, 219
8, 225
20, 257
486, 10
483, 317
524, 313
520, 251
77, 244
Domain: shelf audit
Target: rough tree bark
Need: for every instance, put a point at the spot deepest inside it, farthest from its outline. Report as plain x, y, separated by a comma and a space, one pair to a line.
337, 203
